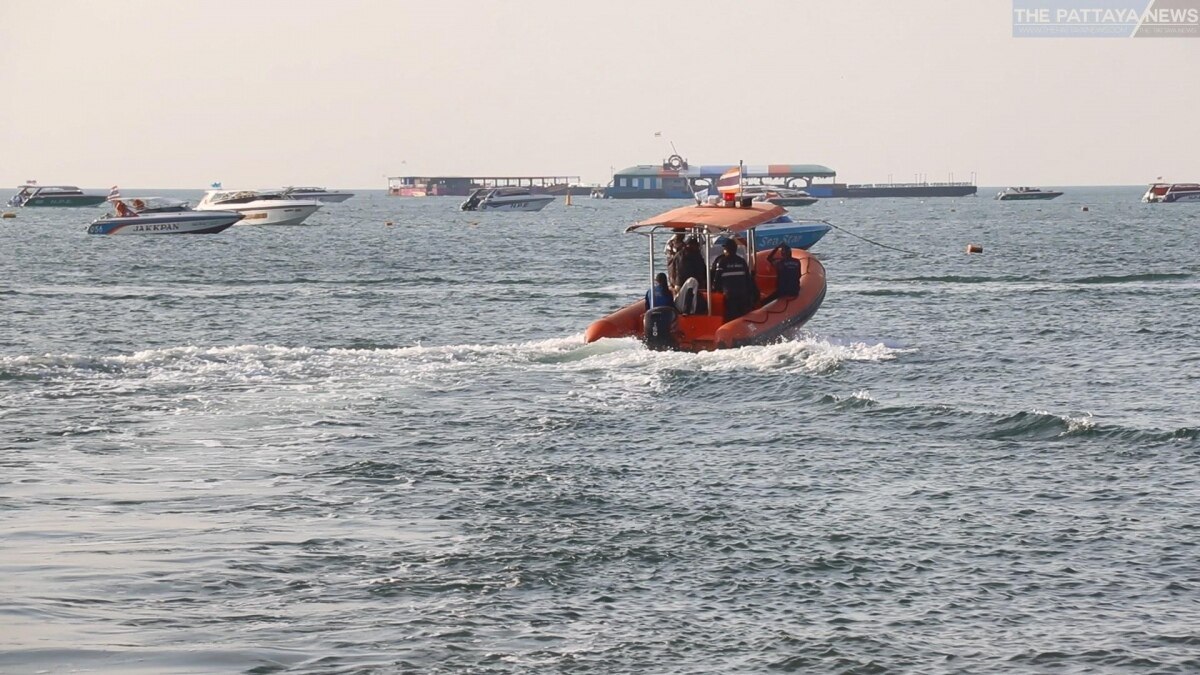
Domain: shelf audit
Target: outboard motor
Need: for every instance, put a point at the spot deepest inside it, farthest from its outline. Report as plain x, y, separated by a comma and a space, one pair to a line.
659, 328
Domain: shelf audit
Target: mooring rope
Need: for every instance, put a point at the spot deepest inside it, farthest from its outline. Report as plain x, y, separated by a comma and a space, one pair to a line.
869, 241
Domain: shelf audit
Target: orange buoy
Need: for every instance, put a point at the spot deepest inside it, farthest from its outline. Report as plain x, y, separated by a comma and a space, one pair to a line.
974, 248
9, 214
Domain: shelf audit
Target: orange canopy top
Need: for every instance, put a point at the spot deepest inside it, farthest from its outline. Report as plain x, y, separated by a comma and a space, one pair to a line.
712, 219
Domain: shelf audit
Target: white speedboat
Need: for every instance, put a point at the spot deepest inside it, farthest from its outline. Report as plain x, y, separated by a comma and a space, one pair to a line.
160, 215
1168, 193
318, 193
1025, 194
260, 208
505, 199
779, 195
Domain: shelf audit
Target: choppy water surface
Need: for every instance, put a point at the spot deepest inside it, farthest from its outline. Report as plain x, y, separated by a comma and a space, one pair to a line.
353, 447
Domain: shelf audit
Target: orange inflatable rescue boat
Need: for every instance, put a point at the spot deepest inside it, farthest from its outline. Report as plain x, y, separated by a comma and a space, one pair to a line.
707, 329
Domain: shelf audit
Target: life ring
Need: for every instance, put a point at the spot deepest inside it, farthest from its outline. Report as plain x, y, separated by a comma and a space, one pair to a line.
675, 162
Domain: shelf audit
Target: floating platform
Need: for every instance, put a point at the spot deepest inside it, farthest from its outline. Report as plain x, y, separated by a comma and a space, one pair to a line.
844, 191
462, 186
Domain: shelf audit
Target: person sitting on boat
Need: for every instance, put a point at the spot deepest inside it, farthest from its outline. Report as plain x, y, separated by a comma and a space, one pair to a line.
659, 321
731, 275
787, 273
659, 294
123, 209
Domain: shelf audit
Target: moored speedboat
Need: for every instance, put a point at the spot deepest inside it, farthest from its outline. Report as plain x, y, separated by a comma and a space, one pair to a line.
505, 199
260, 208
1168, 193
801, 234
708, 329
32, 194
318, 193
159, 215
1017, 194
779, 195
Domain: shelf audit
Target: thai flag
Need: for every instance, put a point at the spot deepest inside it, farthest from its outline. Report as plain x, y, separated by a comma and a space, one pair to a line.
730, 182
114, 194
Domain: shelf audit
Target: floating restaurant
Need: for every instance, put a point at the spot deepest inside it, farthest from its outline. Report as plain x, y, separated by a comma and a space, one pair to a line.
675, 179
461, 186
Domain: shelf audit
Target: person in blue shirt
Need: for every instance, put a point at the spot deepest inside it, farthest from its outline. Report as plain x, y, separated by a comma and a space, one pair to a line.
659, 294
658, 322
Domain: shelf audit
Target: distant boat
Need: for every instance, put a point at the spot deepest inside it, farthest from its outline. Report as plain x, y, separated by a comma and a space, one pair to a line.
318, 193
1014, 194
160, 215
1167, 193
779, 195
260, 208
32, 194
505, 199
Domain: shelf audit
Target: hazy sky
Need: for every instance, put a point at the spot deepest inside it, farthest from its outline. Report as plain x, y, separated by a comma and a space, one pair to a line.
255, 93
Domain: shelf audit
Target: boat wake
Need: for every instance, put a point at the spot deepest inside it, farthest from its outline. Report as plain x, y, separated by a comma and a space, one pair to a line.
562, 373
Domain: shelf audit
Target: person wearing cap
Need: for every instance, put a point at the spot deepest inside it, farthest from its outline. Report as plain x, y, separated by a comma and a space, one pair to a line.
731, 276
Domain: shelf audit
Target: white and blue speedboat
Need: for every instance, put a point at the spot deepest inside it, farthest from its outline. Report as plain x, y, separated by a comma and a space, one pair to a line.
800, 234
159, 215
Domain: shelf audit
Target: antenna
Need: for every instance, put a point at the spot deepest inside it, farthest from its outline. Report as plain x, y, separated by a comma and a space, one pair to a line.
673, 150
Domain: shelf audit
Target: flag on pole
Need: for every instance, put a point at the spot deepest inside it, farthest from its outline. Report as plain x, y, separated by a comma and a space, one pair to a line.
730, 182
657, 134
114, 194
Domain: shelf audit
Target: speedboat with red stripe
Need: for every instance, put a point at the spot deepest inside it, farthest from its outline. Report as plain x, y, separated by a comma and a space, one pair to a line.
1169, 193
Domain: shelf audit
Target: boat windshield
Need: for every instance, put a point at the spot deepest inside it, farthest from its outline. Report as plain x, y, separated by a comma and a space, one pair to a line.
232, 197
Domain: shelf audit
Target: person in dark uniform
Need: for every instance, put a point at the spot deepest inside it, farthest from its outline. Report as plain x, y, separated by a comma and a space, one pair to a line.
691, 262
731, 275
787, 273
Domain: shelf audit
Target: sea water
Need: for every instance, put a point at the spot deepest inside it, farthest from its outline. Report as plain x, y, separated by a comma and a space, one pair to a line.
377, 443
